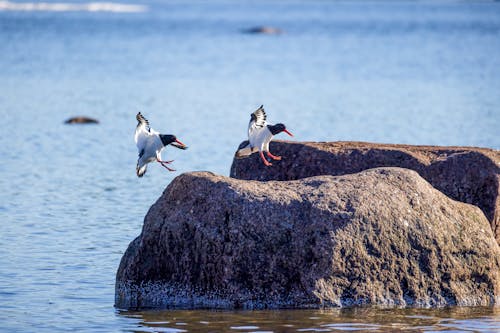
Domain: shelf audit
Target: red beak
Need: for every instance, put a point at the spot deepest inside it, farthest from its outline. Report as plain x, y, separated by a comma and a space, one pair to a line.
285, 130
180, 142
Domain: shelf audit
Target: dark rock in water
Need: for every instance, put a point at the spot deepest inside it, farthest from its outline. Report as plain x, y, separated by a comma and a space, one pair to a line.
81, 120
467, 174
264, 30
382, 236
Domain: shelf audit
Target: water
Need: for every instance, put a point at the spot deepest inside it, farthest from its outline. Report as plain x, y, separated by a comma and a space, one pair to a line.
400, 72
335, 320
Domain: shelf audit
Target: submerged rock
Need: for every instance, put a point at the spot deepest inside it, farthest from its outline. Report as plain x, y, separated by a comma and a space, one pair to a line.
81, 120
467, 174
264, 30
382, 236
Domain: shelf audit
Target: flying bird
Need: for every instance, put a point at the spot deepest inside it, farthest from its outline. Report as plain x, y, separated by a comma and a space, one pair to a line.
259, 136
150, 143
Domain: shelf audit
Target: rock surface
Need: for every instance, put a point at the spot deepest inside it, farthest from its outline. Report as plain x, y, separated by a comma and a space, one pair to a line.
467, 174
81, 120
382, 236
264, 30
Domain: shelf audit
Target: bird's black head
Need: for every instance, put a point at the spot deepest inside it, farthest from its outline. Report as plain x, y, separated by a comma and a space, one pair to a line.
167, 139
278, 128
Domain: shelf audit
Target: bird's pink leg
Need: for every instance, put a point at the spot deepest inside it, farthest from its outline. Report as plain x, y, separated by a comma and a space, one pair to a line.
168, 162
163, 164
264, 159
276, 158
166, 167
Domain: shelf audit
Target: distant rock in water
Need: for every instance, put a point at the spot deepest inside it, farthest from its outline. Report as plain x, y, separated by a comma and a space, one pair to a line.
263, 30
467, 174
382, 236
81, 120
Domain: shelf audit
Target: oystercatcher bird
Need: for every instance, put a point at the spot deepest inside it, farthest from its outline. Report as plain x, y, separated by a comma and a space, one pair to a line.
150, 143
259, 136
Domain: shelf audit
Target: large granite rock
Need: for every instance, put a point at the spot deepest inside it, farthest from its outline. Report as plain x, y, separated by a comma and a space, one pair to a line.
382, 236
466, 174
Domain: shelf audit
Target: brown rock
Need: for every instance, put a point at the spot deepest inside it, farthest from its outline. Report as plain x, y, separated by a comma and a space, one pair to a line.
264, 30
81, 120
383, 236
467, 174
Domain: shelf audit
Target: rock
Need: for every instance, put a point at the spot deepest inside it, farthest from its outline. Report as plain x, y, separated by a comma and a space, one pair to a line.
467, 174
81, 120
264, 30
382, 236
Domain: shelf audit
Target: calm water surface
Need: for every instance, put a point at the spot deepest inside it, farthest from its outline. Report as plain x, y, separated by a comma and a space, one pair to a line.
401, 72
336, 320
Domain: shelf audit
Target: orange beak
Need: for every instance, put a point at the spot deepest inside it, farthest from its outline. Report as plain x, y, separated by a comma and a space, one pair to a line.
285, 130
180, 143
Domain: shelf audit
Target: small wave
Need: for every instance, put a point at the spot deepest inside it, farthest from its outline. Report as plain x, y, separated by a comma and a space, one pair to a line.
73, 7
244, 327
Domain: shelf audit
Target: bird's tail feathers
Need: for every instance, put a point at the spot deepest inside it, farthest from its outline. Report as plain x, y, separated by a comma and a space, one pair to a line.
141, 170
244, 150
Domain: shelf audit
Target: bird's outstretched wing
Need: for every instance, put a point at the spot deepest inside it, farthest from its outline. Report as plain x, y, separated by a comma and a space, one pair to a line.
142, 131
257, 120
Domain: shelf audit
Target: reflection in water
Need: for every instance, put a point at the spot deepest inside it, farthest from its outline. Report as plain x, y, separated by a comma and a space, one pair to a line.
484, 319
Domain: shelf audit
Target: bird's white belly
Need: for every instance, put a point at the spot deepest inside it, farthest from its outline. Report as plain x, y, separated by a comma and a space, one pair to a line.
260, 140
152, 148
149, 159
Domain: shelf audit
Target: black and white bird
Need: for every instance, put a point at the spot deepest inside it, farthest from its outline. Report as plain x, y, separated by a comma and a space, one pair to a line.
150, 143
259, 136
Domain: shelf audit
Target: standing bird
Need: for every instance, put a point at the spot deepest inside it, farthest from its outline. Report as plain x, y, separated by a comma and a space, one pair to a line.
150, 144
259, 136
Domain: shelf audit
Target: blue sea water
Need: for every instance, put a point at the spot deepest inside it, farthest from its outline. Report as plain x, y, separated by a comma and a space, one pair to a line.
415, 72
